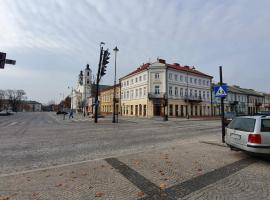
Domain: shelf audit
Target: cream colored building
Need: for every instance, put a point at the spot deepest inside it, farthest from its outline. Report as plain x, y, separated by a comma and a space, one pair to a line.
159, 88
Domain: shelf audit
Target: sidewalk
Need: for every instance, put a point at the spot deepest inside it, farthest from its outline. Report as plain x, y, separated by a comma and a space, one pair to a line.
188, 170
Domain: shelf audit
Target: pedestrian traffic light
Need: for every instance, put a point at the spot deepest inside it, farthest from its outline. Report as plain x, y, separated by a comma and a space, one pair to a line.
2, 60
105, 61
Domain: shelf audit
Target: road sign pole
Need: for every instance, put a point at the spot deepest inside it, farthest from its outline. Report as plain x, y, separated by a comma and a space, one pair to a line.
222, 107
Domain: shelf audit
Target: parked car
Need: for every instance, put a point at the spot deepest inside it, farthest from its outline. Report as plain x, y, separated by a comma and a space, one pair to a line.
228, 117
250, 133
266, 113
61, 113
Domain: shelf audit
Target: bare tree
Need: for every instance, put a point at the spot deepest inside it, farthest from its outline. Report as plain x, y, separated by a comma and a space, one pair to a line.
15, 98
2, 98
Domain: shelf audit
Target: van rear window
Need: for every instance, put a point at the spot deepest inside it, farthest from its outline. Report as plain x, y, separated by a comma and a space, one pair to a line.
243, 124
265, 127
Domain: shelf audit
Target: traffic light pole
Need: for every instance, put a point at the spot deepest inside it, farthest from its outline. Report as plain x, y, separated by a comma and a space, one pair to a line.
222, 107
97, 84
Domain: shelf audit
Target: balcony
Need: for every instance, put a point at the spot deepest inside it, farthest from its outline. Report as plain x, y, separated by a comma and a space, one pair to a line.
152, 95
193, 99
233, 103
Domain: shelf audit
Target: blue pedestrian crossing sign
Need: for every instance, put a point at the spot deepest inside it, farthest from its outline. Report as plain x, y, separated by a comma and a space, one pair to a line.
221, 90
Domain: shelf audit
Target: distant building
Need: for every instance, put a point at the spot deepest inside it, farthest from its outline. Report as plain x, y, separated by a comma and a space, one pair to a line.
82, 91
106, 100
266, 102
91, 99
159, 88
240, 100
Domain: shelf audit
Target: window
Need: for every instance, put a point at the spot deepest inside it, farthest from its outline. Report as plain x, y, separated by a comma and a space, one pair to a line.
170, 90
170, 76
196, 94
186, 79
186, 92
131, 94
191, 92
127, 94
144, 77
87, 81
200, 81
140, 92
181, 92
176, 91
190, 80
127, 83
175, 77
203, 82
136, 94
195, 81
144, 91
136, 80
156, 75
265, 127
208, 95
157, 89
203, 94
87, 73
242, 124
131, 81
140, 78
181, 78
124, 83
207, 82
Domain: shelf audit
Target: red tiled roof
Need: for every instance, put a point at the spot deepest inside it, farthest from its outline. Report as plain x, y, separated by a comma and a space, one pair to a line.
187, 69
139, 69
174, 66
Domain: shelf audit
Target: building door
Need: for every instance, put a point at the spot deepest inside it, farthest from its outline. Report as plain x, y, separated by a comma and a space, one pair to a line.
157, 109
136, 110
196, 111
182, 110
176, 110
144, 110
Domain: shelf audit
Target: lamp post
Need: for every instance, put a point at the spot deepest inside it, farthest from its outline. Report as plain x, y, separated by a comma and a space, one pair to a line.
114, 88
71, 97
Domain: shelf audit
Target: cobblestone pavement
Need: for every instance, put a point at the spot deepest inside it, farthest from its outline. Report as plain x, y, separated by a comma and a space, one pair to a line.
192, 170
175, 167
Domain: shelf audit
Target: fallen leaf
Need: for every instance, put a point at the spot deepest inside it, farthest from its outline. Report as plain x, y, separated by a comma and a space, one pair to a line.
61, 174
162, 186
4, 198
59, 185
98, 194
140, 194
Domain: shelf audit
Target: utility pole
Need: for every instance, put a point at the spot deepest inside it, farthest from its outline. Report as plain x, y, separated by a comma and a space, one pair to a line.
222, 107
114, 87
103, 61
97, 84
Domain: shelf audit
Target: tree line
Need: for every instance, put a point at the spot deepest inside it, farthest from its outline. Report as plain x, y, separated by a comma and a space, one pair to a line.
11, 99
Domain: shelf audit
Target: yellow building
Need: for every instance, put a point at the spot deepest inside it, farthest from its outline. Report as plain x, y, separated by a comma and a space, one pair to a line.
106, 100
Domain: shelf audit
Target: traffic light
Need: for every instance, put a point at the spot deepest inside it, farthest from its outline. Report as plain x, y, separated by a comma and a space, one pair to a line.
2, 60
105, 61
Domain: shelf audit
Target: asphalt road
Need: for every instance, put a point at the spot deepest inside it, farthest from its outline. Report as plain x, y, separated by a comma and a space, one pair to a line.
37, 140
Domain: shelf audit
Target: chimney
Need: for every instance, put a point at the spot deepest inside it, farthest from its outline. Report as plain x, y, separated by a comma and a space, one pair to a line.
162, 61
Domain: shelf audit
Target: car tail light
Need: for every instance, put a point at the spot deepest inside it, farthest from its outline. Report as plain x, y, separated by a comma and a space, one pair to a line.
254, 138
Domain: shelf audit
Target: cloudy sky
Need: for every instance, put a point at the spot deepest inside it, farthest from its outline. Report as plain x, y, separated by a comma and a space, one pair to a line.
53, 40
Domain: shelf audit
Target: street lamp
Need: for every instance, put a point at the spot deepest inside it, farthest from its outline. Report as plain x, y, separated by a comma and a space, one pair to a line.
114, 88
